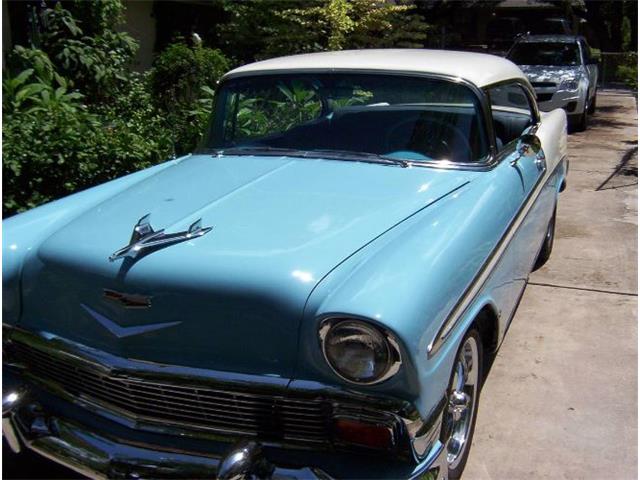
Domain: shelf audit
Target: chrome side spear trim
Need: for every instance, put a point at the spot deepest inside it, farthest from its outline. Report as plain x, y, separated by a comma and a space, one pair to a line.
145, 239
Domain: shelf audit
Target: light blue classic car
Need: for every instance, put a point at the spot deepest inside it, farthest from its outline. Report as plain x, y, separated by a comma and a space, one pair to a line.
314, 294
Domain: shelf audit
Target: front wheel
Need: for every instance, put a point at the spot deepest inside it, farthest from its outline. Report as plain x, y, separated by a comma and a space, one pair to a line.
462, 403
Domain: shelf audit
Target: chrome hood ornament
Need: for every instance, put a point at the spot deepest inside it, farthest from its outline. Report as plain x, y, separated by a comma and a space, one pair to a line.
145, 239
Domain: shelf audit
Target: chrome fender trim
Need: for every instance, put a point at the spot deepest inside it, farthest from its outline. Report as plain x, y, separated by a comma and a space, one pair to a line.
487, 269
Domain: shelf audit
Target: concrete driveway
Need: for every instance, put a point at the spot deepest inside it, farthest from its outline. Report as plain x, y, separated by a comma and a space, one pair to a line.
561, 398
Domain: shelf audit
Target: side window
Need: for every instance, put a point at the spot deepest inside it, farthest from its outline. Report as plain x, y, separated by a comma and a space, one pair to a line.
511, 111
586, 52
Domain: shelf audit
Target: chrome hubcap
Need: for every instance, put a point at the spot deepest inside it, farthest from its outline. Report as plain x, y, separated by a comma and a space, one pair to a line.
461, 401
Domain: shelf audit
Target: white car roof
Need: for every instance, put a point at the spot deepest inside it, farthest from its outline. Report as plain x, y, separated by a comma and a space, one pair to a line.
478, 68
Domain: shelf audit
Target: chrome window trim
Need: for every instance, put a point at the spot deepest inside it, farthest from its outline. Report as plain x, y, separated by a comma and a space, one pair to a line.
329, 321
533, 106
454, 317
529, 92
487, 162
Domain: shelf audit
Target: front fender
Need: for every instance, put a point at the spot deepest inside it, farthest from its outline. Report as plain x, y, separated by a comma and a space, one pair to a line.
409, 280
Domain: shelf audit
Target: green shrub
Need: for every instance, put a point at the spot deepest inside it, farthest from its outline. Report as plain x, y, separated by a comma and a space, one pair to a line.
136, 134
54, 145
96, 63
628, 71
74, 116
259, 29
182, 82
46, 142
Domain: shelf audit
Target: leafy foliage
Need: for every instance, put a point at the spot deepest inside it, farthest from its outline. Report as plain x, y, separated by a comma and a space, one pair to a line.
271, 110
182, 80
258, 111
95, 63
74, 116
54, 145
261, 29
42, 124
628, 71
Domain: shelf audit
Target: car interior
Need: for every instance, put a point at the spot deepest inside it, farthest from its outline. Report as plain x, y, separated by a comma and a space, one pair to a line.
508, 125
413, 132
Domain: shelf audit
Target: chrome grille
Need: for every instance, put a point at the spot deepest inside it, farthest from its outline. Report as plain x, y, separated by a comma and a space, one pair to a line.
544, 97
269, 417
543, 84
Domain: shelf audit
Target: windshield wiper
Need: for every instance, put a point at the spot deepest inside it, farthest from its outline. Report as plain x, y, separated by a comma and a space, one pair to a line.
357, 156
261, 150
315, 153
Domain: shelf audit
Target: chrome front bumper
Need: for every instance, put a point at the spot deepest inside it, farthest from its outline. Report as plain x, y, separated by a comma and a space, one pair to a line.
70, 432
96, 455
572, 102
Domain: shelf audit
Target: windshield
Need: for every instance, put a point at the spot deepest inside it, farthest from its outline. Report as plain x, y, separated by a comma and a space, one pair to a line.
397, 117
545, 53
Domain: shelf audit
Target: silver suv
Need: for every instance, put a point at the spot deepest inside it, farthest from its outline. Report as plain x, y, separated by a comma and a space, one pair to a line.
562, 72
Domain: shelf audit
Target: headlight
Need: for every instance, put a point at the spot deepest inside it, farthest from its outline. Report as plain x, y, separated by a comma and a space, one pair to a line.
571, 84
359, 352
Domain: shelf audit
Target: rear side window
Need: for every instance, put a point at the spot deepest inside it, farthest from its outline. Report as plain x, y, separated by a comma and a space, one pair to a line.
511, 111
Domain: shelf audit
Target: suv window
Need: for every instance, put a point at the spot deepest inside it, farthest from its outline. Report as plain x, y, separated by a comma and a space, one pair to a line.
511, 111
586, 52
545, 53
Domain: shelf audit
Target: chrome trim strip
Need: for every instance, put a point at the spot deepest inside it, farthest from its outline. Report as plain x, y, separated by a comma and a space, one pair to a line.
10, 435
123, 332
476, 285
529, 90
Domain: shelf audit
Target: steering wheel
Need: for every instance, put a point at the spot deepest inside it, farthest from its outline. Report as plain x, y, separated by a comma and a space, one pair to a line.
429, 137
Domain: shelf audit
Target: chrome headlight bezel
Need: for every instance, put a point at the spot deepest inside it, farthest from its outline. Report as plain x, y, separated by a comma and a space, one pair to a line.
394, 362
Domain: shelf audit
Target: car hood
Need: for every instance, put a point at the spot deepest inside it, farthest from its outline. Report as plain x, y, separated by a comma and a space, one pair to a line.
546, 73
230, 300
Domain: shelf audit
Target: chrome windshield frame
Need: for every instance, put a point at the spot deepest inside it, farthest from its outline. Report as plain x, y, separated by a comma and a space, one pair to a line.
487, 162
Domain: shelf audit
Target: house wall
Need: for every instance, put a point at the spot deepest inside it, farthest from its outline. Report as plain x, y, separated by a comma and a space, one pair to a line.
140, 23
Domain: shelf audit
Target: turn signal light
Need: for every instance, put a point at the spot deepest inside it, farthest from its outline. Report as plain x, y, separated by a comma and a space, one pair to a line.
363, 434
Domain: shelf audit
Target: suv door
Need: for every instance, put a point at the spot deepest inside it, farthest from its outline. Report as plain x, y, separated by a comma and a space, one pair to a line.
591, 65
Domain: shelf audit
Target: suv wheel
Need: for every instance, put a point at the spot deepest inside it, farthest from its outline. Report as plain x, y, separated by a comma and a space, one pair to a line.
592, 105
